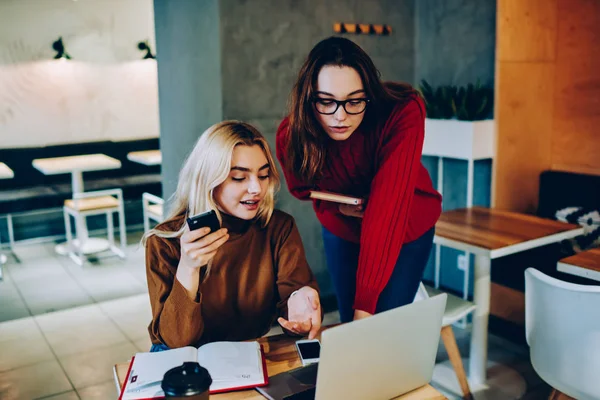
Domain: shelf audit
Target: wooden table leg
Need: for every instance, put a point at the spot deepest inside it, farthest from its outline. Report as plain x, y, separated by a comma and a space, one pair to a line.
456, 360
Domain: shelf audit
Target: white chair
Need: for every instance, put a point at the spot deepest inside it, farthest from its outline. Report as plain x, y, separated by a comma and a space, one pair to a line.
456, 309
562, 325
100, 202
152, 206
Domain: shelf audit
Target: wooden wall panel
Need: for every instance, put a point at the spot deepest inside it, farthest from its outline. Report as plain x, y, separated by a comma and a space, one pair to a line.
576, 145
526, 30
547, 95
524, 130
547, 111
576, 134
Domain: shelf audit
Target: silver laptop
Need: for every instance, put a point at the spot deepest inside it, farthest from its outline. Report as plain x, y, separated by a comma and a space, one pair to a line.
380, 357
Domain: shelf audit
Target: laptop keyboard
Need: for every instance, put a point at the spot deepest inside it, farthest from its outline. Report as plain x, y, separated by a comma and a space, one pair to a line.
306, 375
308, 394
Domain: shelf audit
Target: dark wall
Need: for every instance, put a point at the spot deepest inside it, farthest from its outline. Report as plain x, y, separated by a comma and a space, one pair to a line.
455, 44
189, 78
455, 41
264, 43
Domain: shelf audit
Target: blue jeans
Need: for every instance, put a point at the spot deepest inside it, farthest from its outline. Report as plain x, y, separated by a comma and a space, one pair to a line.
158, 347
342, 263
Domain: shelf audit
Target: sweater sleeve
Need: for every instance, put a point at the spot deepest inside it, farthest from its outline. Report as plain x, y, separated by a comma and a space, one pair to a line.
176, 319
293, 271
392, 190
295, 186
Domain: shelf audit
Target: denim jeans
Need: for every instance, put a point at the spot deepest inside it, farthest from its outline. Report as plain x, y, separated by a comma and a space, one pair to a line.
342, 263
158, 347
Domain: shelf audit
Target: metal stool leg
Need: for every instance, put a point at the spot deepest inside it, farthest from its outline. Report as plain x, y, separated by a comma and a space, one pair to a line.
11, 237
145, 215
68, 228
110, 227
2, 261
75, 254
122, 227
111, 234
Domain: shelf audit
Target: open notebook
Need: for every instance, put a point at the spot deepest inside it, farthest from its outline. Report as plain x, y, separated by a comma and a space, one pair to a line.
232, 366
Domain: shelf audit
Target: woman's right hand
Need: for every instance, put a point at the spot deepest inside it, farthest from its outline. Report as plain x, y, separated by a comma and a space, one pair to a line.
198, 248
352, 210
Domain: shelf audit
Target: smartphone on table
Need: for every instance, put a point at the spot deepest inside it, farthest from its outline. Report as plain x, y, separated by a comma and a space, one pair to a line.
336, 198
309, 351
205, 220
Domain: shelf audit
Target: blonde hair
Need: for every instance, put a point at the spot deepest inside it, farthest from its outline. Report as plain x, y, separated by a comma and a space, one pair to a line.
207, 166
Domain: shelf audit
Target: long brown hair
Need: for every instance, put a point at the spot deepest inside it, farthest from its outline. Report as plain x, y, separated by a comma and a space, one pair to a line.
306, 140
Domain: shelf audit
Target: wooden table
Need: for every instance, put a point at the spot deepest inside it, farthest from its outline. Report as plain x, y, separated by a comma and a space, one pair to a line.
490, 234
146, 157
76, 165
585, 264
281, 356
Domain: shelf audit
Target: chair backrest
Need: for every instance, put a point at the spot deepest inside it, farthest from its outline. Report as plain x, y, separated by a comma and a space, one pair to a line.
562, 322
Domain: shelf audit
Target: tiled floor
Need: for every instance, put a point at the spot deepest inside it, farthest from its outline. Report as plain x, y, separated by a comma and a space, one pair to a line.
102, 319
45, 282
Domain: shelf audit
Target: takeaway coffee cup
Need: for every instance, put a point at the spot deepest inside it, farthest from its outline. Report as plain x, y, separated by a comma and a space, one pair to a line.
189, 381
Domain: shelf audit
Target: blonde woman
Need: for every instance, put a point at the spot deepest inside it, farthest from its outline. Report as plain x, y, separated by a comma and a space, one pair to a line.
233, 283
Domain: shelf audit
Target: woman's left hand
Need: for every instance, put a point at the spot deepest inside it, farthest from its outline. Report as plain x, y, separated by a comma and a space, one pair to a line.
304, 313
352, 211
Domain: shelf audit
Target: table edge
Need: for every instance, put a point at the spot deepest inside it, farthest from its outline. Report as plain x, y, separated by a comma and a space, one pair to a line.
578, 270
510, 249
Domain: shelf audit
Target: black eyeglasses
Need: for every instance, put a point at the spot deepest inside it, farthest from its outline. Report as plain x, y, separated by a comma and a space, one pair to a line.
330, 106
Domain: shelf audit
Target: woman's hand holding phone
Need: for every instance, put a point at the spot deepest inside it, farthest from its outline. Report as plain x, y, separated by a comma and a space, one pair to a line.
199, 246
197, 249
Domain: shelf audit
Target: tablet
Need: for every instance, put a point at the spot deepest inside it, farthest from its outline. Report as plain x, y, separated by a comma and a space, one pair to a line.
336, 198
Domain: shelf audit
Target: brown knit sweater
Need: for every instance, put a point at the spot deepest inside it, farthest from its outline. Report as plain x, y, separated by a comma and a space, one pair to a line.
252, 276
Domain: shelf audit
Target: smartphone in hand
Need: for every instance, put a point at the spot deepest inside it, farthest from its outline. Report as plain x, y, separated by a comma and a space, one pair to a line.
205, 220
309, 351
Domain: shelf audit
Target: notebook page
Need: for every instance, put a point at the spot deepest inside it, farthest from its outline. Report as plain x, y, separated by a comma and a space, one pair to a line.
149, 368
232, 364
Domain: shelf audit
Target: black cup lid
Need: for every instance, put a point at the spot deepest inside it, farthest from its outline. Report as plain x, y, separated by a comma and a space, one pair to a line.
188, 379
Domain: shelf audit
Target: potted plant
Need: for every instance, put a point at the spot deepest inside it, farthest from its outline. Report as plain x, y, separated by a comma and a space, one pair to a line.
458, 123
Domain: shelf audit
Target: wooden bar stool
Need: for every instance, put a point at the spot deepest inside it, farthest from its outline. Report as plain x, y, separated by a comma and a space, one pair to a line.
456, 309
86, 204
152, 207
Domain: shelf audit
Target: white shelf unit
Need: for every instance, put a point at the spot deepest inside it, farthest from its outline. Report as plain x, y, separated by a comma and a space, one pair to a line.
462, 140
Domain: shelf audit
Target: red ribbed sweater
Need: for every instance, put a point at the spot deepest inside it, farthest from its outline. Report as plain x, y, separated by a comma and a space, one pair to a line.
385, 167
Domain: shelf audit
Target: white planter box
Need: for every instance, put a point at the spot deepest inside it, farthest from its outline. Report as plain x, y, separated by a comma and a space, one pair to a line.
459, 139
